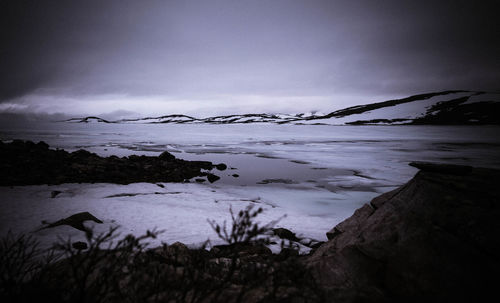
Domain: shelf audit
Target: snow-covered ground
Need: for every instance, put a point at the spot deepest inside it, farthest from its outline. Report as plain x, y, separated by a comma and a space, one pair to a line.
316, 175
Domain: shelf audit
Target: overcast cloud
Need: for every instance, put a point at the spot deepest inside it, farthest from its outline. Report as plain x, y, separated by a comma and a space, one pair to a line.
220, 57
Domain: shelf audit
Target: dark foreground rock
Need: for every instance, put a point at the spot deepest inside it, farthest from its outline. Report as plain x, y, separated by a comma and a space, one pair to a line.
27, 163
434, 239
79, 245
75, 221
284, 233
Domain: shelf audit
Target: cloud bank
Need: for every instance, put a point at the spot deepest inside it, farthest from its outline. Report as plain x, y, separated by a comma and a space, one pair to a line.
217, 57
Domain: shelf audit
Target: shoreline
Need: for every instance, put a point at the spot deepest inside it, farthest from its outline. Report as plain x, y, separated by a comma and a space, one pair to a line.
27, 163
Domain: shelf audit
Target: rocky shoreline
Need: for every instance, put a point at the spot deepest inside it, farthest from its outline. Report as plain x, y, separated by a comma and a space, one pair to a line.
27, 163
434, 239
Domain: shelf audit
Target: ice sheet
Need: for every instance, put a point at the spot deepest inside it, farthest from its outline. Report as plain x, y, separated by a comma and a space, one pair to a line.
319, 174
181, 210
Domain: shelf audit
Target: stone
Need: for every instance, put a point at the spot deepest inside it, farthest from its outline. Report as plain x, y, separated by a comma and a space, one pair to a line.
54, 193
433, 239
212, 178
351, 223
241, 250
166, 156
79, 245
176, 253
42, 145
75, 221
221, 166
284, 233
442, 168
286, 253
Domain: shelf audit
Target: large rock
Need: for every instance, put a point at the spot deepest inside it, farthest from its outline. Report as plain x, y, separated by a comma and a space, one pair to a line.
75, 221
436, 239
284, 233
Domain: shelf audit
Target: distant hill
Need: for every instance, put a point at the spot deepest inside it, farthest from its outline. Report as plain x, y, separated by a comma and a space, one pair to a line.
438, 108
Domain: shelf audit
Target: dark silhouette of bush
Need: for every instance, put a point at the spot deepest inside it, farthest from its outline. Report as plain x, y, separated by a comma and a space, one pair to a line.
126, 270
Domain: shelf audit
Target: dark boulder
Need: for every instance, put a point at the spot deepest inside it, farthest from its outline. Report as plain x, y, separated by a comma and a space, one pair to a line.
212, 178
286, 253
176, 253
54, 193
79, 245
75, 221
221, 166
166, 156
433, 239
241, 250
284, 233
443, 168
42, 145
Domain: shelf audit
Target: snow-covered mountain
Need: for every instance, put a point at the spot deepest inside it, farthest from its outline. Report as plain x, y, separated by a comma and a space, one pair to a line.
447, 107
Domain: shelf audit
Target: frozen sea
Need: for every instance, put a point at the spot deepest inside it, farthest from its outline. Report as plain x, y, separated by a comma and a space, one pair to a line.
310, 176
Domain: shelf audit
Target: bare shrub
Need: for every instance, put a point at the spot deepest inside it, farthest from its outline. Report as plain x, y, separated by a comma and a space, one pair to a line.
126, 270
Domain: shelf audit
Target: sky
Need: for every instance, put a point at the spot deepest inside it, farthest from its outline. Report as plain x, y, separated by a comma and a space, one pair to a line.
123, 59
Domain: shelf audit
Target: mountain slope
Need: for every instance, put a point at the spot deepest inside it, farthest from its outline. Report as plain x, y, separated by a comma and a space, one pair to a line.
450, 107
446, 107
373, 106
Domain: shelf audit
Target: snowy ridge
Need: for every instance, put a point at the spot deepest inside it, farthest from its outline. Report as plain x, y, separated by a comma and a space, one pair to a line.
87, 120
447, 107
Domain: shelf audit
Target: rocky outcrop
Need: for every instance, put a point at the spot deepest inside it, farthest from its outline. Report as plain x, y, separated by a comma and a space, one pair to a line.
435, 239
75, 221
27, 163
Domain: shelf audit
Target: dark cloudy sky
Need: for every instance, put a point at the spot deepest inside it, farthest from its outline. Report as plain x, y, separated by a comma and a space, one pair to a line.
217, 57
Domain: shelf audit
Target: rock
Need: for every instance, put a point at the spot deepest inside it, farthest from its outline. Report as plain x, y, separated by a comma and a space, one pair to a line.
75, 221
212, 178
42, 145
284, 181
202, 164
305, 241
359, 215
221, 166
199, 180
79, 245
433, 239
235, 175
176, 253
54, 193
309, 242
241, 250
286, 253
166, 156
284, 233
316, 245
442, 168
